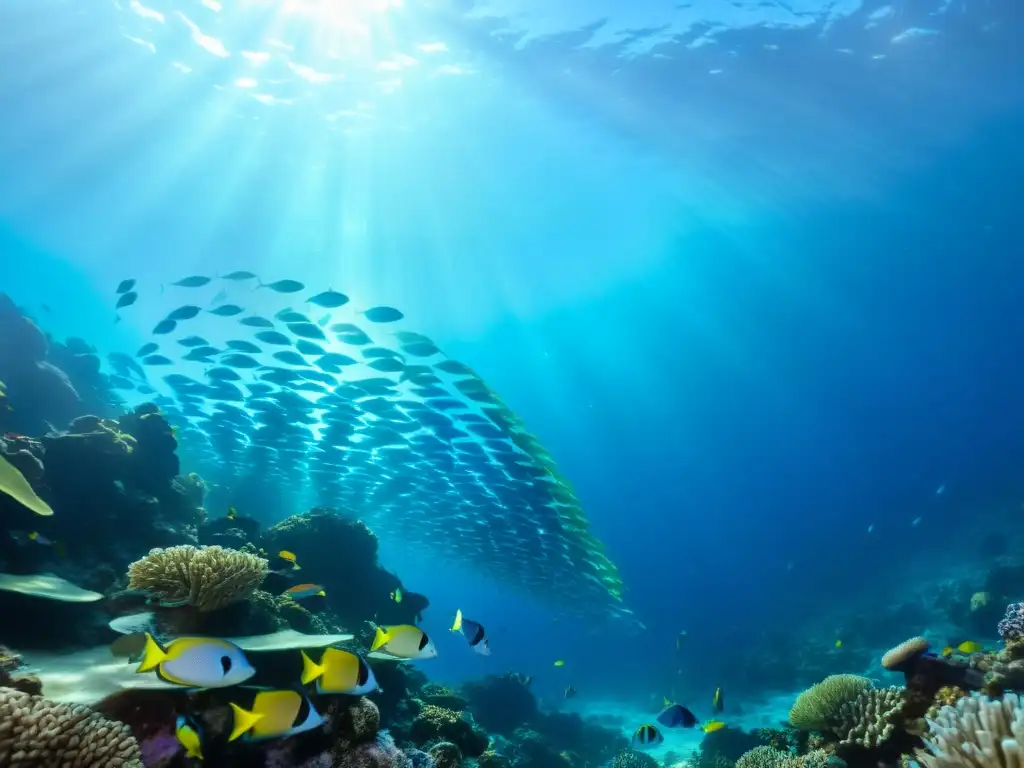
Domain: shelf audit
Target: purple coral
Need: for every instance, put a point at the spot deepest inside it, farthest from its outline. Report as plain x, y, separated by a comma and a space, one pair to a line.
1012, 625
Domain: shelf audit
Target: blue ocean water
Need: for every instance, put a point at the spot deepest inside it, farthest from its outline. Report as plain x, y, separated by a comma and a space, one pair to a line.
752, 272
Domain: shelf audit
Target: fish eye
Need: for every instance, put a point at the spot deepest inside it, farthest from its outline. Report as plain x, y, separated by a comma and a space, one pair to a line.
225, 663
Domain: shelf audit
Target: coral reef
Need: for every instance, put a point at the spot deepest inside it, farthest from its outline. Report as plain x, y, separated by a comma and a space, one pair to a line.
206, 578
500, 704
975, 732
1011, 627
631, 758
35, 732
435, 723
820, 707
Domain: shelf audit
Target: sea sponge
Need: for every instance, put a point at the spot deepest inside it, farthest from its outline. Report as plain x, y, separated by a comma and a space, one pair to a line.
870, 719
977, 733
36, 733
207, 578
819, 708
897, 658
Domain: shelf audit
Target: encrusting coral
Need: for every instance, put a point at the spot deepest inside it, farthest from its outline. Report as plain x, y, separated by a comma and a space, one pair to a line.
207, 578
631, 758
36, 733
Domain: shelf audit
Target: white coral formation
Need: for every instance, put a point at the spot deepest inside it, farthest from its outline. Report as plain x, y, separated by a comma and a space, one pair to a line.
976, 733
205, 577
36, 733
871, 718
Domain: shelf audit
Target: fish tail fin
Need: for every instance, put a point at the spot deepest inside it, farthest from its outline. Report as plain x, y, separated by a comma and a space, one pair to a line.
457, 624
380, 637
310, 669
244, 720
152, 655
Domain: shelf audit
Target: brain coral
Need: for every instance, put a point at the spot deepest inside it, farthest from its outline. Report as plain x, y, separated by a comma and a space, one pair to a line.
205, 577
36, 733
819, 707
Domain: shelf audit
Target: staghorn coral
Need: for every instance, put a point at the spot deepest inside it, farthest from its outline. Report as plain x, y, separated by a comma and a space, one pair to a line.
976, 733
896, 659
871, 718
631, 758
207, 578
819, 707
36, 733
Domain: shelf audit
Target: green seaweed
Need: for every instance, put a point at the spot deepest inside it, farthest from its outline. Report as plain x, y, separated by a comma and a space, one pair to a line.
14, 484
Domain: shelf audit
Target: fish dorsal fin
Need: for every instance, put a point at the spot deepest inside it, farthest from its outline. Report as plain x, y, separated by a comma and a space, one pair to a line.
457, 624
665, 702
244, 721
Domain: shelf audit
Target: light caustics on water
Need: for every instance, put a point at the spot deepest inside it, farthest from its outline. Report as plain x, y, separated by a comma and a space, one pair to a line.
375, 421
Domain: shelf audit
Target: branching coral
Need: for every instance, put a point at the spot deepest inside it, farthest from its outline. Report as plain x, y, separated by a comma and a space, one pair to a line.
976, 733
763, 757
35, 732
871, 718
819, 708
205, 577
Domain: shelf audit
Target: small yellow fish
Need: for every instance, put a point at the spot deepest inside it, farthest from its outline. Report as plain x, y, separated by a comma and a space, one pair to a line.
839, 643
232, 513
188, 735
712, 725
969, 646
284, 554
560, 663
397, 595
947, 651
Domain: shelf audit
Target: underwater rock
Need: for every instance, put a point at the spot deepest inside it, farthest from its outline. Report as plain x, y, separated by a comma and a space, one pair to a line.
500, 704
437, 723
445, 755
442, 696
155, 461
337, 552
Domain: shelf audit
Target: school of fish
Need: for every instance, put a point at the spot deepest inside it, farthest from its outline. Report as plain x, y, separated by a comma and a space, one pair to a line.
376, 421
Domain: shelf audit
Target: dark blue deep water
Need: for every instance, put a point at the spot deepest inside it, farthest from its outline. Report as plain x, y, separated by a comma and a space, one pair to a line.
753, 273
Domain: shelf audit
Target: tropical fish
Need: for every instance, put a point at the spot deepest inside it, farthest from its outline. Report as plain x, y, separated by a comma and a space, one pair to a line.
194, 281
164, 326
193, 341
647, 736
382, 315
274, 337
712, 725
284, 286
284, 554
147, 349
839, 644
240, 345
186, 312
404, 641
969, 646
677, 716
718, 700
309, 348
255, 321
329, 299
473, 632
126, 300
560, 663
302, 591
397, 595
125, 285
947, 651
307, 331
570, 692
157, 360
274, 714
339, 672
226, 310
188, 734
196, 662
239, 275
